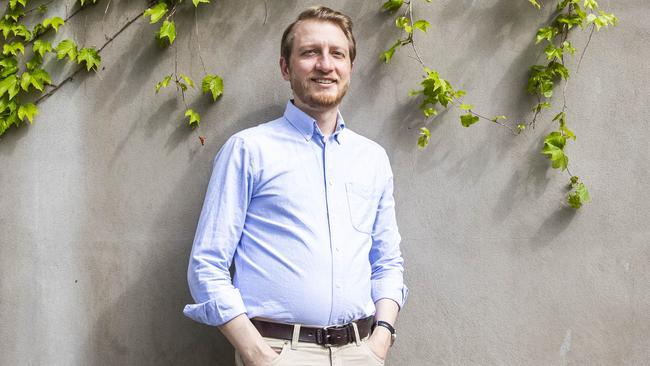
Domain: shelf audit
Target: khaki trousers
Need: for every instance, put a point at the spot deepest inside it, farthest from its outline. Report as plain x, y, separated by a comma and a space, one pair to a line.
311, 354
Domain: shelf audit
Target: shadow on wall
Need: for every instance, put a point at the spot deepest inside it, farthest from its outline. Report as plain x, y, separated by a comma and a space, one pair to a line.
137, 288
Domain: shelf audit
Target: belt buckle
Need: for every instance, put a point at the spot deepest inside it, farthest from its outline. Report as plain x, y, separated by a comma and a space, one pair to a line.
323, 334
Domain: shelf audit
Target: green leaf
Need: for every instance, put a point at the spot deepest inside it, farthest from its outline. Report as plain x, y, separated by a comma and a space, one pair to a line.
37, 78
468, 119
569, 47
9, 66
86, 2
392, 5
35, 62
422, 25
466, 107
425, 136
546, 33
561, 118
28, 110
387, 55
14, 14
428, 112
164, 83
21, 31
40, 47
212, 84
13, 48
66, 48
535, 4
156, 12
6, 27
563, 4
590, 18
604, 20
404, 23
553, 52
41, 76
189, 81
196, 2
10, 86
55, 23
167, 30
194, 118
557, 69
554, 149
90, 57
579, 194
14, 3
590, 4
26, 81
569, 19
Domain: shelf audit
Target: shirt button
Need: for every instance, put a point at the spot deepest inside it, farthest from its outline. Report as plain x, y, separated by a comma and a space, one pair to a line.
331, 182
338, 286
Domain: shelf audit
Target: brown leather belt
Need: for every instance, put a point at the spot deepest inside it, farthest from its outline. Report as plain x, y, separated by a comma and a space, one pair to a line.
337, 335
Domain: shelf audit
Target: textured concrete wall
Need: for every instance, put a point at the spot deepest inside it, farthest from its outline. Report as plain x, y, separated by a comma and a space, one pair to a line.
100, 197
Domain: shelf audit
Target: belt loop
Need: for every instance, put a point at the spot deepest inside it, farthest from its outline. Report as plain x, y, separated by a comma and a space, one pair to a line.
296, 335
357, 339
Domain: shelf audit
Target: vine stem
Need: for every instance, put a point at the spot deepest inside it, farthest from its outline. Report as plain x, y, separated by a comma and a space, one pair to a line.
593, 26
266, 11
198, 41
491, 120
36, 8
71, 77
412, 41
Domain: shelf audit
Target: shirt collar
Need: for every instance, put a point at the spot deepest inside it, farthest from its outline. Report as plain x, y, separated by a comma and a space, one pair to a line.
307, 126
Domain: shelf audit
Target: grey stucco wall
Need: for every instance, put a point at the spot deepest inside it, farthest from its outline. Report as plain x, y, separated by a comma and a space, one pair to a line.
100, 197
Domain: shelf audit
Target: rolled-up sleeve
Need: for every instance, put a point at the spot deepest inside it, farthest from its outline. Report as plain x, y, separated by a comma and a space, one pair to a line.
218, 233
385, 256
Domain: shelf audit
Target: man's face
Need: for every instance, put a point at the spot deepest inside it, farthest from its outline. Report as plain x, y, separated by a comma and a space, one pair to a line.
319, 67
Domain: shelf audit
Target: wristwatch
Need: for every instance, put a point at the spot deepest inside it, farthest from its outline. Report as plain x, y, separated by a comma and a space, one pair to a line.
381, 323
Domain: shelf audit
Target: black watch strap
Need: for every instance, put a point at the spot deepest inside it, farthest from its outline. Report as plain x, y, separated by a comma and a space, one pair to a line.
381, 323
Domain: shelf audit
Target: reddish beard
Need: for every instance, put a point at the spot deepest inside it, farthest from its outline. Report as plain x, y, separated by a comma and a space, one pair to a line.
303, 90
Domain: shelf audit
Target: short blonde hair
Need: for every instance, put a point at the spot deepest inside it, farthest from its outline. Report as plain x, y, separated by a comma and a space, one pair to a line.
324, 14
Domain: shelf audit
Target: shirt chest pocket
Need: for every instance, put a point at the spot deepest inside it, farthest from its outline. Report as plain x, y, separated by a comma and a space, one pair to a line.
362, 203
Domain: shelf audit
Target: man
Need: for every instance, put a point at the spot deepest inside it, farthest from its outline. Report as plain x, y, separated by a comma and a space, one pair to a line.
305, 208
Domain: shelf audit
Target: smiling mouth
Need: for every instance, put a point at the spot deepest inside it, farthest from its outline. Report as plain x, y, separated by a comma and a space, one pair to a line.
324, 81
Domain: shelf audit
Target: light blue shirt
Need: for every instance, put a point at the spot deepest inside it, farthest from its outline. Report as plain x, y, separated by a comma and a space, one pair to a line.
308, 221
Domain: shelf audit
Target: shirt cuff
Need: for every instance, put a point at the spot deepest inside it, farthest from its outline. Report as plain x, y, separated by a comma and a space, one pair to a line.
213, 313
394, 290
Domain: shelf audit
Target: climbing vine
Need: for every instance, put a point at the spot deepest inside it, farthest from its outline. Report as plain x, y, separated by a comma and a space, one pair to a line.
29, 35
542, 81
26, 44
23, 27
211, 84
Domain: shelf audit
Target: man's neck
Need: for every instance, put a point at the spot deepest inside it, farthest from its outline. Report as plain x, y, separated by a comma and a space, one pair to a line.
325, 118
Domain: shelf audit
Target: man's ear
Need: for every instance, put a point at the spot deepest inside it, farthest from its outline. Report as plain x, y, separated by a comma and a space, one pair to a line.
284, 68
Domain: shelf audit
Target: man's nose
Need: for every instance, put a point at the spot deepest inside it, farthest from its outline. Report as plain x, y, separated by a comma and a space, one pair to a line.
325, 63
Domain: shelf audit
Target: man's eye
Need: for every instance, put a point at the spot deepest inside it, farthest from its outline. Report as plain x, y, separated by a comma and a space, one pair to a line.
339, 54
309, 52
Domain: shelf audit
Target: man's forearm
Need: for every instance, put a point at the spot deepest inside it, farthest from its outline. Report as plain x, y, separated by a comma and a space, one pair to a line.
386, 310
245, 338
